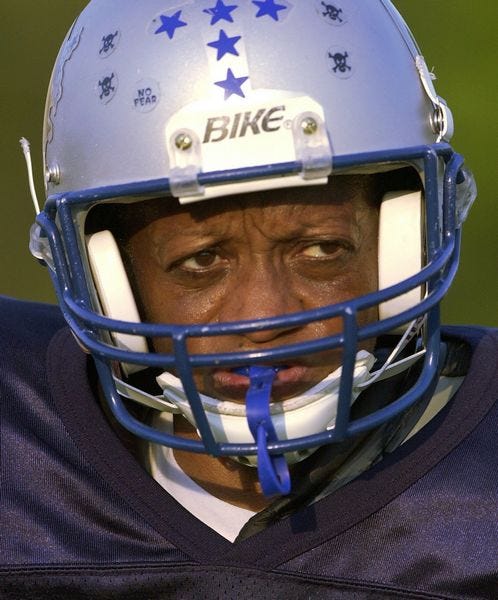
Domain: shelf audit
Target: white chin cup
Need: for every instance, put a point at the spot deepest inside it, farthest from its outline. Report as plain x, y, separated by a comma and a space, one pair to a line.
312, 412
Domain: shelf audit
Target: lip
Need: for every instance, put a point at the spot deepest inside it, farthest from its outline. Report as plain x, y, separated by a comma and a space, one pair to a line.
288, 382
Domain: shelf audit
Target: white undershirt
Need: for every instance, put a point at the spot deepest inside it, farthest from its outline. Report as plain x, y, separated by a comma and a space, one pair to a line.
223, 517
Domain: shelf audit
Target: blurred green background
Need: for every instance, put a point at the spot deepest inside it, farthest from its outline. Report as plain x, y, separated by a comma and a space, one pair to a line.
458, 39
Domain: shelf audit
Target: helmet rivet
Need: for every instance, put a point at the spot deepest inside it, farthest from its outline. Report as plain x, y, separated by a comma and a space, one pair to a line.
183, 141
309, 126
53, 174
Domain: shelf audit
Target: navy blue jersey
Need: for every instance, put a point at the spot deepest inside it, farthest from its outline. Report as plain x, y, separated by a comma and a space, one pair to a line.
81, 518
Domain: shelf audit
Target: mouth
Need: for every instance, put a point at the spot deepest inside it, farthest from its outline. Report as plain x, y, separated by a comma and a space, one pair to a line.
288, 382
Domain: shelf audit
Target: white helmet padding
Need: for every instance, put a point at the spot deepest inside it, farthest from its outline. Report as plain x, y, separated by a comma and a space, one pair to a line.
400, 247
114, 291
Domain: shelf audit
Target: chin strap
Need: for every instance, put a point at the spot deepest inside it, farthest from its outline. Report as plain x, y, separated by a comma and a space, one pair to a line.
273, 470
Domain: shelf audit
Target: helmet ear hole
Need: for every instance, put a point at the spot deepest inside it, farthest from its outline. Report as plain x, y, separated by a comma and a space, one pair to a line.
114, 290
400, 248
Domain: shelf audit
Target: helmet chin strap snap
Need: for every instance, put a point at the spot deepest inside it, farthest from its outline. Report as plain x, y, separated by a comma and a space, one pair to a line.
273, 470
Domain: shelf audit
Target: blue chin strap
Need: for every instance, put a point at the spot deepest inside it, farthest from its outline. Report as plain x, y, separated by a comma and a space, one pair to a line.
273, 470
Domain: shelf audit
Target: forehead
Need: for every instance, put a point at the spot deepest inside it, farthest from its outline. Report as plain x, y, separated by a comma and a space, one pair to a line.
343, 196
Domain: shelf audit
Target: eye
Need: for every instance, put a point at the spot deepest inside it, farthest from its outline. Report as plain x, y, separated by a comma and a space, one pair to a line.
323, 249
200, 261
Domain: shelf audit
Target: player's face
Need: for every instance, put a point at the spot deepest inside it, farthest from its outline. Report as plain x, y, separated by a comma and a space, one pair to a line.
259, 255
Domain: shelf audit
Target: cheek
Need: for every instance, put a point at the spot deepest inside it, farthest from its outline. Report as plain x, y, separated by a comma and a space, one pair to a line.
360, 277
366, 278
162, 300
353, 284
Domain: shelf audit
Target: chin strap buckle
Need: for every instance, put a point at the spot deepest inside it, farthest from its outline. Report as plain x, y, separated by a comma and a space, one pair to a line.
273, 470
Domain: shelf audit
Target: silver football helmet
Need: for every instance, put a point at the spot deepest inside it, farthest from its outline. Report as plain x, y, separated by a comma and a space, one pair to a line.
207, 98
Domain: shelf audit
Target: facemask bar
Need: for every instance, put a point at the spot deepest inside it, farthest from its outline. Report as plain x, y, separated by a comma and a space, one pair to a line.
442, 260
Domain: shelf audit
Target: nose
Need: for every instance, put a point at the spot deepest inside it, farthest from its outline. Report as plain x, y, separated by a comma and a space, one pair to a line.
261, 291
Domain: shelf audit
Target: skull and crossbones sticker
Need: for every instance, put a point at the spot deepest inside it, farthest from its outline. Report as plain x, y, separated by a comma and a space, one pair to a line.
331, 12
340, 62
109, 43
106, 87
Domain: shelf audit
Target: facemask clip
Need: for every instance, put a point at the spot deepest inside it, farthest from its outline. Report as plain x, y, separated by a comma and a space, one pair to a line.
312, 146
186, 164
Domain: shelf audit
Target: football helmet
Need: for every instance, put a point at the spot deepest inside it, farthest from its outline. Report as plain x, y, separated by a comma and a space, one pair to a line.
194, 100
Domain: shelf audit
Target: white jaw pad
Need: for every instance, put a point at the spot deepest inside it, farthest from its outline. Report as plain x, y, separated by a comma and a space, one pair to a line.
114, 291
400, 248
312, 412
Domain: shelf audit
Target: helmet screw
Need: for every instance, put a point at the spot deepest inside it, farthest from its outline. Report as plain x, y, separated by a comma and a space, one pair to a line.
53, 174
437, 120
309, 126
183, 141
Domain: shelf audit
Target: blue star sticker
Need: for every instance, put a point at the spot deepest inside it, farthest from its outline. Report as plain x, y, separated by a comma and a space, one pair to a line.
221, 11
171, 24
232, 85
268, 7
225, 45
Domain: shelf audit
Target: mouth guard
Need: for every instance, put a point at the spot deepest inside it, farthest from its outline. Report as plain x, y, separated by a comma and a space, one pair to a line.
273, 470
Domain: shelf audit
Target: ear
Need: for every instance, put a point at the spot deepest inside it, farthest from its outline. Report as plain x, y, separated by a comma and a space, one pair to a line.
400, 247
114, 290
